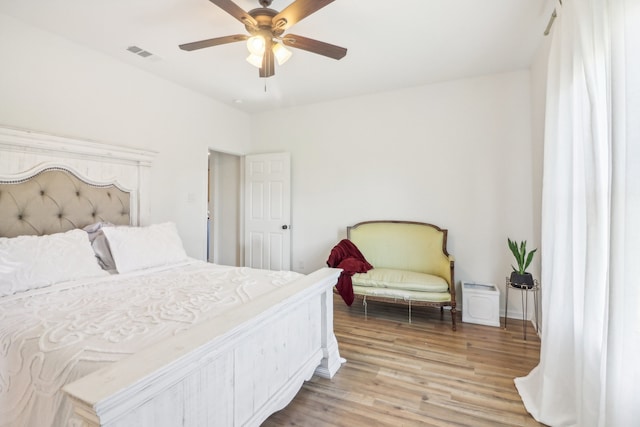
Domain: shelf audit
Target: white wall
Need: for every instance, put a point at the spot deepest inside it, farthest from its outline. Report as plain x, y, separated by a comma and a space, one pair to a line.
455, 154
51, 85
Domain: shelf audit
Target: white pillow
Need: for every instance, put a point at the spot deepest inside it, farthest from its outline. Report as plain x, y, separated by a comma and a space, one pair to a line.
30, 262
136, 248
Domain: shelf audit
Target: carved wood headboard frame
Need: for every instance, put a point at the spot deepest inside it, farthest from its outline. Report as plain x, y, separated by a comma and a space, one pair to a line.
74, 182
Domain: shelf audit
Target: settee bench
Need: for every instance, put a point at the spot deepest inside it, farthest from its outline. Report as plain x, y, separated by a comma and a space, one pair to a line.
411, 264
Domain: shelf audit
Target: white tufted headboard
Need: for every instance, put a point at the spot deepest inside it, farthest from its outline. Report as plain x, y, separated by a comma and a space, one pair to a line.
50, 184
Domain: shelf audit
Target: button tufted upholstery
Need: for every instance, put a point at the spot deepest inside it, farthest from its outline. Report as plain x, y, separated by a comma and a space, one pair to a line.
55, 200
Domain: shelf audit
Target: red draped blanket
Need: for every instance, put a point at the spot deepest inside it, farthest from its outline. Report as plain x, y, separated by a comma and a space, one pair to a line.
347, 256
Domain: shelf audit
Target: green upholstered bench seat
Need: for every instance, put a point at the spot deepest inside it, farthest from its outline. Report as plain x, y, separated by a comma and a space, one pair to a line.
401, 280
401, 294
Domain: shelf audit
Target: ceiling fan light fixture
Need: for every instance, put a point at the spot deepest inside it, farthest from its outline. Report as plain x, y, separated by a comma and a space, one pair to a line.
255, 60
265, 33
281, 53
256, 44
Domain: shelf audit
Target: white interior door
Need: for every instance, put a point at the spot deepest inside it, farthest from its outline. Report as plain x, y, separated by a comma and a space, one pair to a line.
268, 211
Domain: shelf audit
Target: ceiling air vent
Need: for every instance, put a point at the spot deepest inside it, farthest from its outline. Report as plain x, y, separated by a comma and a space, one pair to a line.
139, 51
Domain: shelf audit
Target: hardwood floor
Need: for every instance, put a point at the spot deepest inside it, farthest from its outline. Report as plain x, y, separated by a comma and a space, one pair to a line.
419, 374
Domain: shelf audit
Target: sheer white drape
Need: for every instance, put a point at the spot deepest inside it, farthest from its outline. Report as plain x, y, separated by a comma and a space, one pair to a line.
589, 371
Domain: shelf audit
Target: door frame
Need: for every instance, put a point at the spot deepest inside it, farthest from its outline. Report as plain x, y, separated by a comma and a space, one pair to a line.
214, 202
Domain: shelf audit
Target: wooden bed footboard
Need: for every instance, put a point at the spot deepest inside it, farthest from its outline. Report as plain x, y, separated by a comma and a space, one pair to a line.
231, 371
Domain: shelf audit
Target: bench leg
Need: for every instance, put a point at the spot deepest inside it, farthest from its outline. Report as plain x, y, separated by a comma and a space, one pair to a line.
453, 317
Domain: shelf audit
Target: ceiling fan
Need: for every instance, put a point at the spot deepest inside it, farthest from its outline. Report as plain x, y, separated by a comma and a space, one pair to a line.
266, 37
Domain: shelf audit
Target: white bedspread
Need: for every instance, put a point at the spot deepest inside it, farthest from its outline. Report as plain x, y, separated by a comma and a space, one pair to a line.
52, 336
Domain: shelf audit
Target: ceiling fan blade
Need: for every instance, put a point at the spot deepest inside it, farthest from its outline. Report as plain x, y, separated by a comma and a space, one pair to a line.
236, 11
213, 42
268, 63
297, 11
315, 46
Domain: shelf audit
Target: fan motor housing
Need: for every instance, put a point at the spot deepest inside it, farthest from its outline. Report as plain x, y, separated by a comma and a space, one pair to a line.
264, 17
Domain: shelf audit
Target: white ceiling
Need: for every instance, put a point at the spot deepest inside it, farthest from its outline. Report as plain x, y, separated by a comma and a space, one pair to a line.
391, 44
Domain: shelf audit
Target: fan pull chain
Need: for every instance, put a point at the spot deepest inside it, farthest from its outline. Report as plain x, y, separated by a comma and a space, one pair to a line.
265, 86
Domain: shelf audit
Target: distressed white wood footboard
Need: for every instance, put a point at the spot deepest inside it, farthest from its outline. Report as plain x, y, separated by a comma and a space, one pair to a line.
230, 371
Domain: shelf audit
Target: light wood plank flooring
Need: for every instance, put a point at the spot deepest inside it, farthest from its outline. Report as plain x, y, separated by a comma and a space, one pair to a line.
419, 374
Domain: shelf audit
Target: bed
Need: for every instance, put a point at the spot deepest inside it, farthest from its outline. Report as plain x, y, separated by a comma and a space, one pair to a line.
162, 339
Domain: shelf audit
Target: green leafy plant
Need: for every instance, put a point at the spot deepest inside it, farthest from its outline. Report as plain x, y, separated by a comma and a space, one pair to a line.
519, 251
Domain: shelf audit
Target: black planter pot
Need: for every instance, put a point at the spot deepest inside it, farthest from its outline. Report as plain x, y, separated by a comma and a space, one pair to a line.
521, 280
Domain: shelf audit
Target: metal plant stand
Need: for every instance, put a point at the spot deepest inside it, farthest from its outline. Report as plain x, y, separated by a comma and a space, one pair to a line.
524, 297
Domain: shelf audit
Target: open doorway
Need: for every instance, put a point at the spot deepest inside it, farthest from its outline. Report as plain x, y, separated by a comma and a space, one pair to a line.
224, 209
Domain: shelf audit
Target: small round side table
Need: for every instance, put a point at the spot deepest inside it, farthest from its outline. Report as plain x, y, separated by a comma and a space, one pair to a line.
524, 297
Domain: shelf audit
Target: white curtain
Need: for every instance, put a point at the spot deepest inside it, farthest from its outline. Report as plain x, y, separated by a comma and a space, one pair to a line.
589, 370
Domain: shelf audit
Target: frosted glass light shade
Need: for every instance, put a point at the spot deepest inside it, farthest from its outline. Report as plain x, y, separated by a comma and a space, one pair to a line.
281, 53
255, 60
255, 45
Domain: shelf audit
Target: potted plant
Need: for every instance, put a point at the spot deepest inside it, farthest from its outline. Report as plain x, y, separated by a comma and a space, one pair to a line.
519, 276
